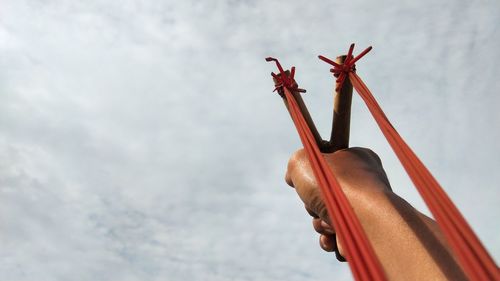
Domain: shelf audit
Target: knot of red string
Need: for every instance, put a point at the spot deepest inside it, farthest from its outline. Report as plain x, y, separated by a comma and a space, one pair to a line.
341, 71
284, 79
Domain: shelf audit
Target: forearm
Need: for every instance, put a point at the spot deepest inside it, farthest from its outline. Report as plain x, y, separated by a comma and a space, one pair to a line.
409, 245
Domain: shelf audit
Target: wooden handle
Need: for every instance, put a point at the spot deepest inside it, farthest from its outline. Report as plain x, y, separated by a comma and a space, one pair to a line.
341, 114
310, 123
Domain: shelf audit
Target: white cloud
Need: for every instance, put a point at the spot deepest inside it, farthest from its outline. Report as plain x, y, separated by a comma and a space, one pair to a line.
141, 141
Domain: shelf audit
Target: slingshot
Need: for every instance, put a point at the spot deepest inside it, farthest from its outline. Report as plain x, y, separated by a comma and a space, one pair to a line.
471, 254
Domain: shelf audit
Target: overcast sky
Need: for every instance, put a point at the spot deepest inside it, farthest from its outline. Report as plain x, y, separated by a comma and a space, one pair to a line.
141, 140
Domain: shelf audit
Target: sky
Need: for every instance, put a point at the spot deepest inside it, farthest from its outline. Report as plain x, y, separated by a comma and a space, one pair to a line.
141, 140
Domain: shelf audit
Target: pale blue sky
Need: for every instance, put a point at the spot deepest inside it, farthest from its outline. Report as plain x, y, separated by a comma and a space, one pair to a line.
141, 140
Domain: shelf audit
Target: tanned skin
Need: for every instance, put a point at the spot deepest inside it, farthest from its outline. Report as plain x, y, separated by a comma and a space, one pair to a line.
409, 245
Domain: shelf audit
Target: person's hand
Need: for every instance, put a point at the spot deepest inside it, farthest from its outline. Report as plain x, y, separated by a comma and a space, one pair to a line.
361, 176
408, 244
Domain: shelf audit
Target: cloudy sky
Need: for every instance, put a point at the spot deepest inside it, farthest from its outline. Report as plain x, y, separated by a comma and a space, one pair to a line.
140, 140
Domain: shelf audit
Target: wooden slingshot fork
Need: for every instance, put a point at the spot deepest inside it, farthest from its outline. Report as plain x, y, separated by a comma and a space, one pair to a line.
339, 137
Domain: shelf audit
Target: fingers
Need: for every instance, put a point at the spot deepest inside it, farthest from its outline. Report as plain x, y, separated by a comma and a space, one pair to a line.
328, 239
310, 212
322, 227
317, 225
327, 243
327, 228
299, 175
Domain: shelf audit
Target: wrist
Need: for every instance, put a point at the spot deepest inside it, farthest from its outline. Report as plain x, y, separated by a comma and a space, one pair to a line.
369, 201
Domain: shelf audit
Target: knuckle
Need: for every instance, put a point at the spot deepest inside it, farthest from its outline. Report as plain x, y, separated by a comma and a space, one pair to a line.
292, 165
317, 226
295, 158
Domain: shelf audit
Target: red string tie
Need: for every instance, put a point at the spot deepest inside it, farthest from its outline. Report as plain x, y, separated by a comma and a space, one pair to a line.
283, 79
341, 71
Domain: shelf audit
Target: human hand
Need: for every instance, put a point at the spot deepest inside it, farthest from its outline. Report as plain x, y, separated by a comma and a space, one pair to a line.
361, 176
394, 228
